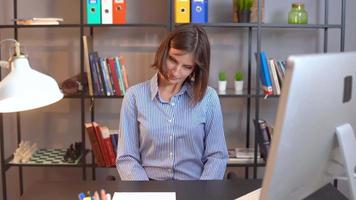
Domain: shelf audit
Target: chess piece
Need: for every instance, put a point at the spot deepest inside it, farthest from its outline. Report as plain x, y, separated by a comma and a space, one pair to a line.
24, 152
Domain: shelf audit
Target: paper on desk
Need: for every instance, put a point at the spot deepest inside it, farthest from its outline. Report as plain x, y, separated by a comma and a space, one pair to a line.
254, 195
144, 196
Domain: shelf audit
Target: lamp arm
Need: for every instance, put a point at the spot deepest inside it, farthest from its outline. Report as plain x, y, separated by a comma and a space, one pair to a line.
4, 63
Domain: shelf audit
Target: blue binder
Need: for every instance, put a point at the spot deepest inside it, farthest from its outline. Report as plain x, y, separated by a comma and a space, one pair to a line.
199, 11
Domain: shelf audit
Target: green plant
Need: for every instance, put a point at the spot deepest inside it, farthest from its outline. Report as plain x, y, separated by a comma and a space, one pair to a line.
243, 4
222, 76
239, 76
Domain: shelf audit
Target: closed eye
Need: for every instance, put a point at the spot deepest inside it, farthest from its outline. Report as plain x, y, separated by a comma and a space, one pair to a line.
170, 58
188, 67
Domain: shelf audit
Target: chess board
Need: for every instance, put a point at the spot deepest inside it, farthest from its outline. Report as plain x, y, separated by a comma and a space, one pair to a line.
50, 156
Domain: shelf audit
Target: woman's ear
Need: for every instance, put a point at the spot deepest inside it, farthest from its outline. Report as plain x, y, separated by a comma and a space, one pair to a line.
192, 77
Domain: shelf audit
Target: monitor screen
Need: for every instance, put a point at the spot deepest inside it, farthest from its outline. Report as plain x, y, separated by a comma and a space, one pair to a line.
316, 98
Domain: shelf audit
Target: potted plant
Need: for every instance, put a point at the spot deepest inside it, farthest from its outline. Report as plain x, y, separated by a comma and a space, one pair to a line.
243, 10
222, 82
239, 83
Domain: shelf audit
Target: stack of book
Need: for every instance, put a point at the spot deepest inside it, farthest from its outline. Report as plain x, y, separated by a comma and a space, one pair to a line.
39, 21
103, 142
106, 76
272, 74
243, 156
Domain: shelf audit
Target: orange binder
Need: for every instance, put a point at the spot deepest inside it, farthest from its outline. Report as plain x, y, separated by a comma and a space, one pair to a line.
119, 11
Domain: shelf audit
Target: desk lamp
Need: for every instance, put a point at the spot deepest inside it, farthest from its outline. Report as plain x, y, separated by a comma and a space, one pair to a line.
25, 88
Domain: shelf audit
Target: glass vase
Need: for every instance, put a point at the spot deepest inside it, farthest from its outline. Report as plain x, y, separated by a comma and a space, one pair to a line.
297, 15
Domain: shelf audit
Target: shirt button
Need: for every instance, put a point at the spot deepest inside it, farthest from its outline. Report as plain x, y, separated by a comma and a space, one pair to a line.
171, 154
170, 120
173, 104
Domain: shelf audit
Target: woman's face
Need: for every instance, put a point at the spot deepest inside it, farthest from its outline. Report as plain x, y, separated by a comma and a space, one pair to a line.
180, 65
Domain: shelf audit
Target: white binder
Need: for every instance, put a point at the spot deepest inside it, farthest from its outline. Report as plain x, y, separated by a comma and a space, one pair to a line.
106, 11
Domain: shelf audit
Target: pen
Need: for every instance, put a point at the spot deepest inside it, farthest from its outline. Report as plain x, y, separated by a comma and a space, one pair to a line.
81, 196
96, 196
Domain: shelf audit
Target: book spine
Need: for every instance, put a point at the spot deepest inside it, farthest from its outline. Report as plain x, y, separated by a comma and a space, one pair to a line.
107, 83
120, 78
114, 143
279, 73
111, 63
112, 86
274, 77
94, 144
102, 144
124, 73
266, 80
114, 134
87, 65
108, 144
99, 74
104, 90
263, 138
94, 74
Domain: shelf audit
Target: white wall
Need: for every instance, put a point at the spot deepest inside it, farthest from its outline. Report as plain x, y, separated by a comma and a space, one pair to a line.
56, 52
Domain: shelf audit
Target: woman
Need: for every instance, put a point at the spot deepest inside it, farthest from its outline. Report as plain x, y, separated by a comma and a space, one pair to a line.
171, 126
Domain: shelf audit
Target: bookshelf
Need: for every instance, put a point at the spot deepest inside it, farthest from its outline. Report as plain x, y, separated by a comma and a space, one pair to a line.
251, 96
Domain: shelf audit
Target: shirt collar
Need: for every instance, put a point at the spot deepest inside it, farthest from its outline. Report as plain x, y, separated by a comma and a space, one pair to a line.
187, 87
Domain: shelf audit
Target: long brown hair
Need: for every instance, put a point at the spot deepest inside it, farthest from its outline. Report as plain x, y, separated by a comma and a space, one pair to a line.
191, 39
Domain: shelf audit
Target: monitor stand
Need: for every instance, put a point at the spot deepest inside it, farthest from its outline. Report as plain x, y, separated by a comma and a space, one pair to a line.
347, 143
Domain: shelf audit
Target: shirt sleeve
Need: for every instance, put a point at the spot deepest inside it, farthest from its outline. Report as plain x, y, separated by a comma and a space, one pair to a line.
128, 161
215, 155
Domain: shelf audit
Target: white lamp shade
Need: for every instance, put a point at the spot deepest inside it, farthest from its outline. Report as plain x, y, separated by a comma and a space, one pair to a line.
25, 89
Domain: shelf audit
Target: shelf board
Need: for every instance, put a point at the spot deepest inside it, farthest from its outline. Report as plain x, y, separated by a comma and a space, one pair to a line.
235, 162
266, 25
42, 26
94, 165
72, 96
86, 25
301, 26
230, 92
78, 96
215, 24
105, 97
78, 164
160, 25
227, 25
7, 26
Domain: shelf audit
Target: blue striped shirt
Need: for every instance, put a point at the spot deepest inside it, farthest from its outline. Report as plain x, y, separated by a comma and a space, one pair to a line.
165, 140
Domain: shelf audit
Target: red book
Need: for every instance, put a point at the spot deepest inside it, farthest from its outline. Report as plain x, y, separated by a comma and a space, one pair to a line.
124, 72
102, 144
111, 63
108, 144
94, 144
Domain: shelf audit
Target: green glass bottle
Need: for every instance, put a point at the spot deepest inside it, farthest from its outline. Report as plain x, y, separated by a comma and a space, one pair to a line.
297, 15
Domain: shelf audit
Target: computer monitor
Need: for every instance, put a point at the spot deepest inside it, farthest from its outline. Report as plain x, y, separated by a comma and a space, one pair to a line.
316, 98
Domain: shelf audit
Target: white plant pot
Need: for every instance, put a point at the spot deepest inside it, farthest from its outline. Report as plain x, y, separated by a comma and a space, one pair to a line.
239, 86
222, 86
